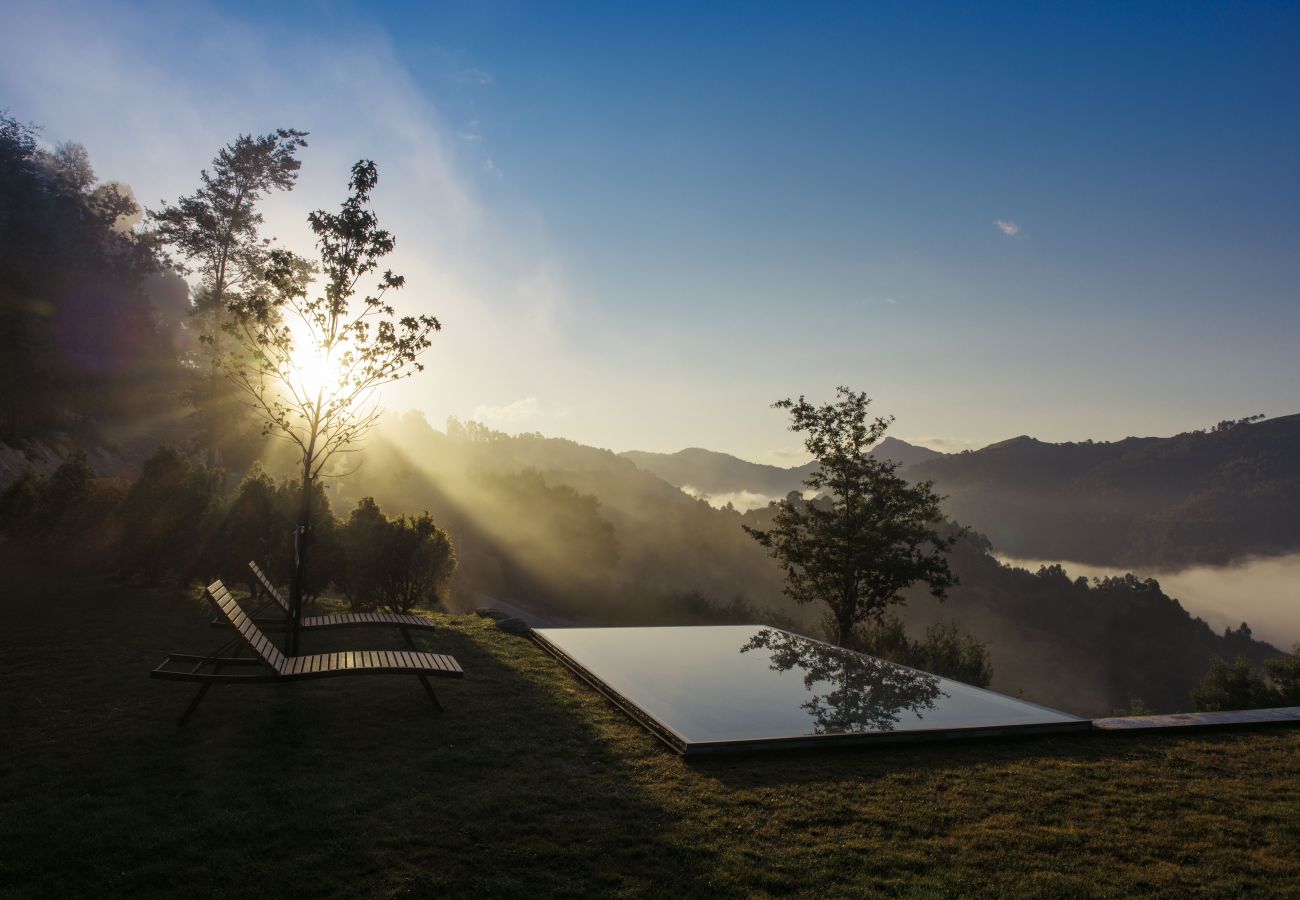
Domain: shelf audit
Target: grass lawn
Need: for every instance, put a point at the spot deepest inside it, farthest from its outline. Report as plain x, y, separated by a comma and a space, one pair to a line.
531, 783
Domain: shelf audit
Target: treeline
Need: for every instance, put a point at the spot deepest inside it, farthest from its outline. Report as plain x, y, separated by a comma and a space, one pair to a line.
174, 524
92, 333
1203, 497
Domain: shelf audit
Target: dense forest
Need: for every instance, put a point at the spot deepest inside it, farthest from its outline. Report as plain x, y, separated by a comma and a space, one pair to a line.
104, 447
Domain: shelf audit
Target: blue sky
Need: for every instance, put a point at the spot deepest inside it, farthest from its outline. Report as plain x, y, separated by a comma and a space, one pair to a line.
642, 225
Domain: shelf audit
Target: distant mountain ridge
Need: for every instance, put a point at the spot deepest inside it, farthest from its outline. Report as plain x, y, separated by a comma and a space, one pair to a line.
1199, 497
711, 472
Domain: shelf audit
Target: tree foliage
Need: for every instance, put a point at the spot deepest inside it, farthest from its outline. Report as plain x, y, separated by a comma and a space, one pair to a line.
397, 563
943, 651
80, 343
869, 534
1233, 685
167, 519
215, 232
1239, 685
312, 361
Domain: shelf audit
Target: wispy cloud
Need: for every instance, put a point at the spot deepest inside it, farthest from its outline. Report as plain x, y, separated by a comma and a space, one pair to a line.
1007, 227
527, 409
473, 76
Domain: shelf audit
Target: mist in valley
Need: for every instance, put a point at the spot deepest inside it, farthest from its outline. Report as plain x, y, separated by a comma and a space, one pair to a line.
1263, 592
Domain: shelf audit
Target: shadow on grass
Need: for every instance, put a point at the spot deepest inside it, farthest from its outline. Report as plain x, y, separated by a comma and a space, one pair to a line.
329, 788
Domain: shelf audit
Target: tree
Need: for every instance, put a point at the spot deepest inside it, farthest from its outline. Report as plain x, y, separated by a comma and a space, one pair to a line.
869, 534
78, 339
943, 651
308, 364
215, 231
395, 563
167, 519
1233, 685
1285, 675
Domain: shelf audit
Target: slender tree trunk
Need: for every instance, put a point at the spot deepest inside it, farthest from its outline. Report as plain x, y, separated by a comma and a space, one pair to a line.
302, 540
303, 534
843, 627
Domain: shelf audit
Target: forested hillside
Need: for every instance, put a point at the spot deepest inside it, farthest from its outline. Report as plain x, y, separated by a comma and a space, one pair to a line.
1199, 497
91, 330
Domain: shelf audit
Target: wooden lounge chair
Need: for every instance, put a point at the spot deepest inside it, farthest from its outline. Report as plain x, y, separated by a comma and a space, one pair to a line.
401, 621
206, 670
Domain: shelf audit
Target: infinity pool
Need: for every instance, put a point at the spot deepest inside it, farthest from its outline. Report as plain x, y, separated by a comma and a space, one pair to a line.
744, 687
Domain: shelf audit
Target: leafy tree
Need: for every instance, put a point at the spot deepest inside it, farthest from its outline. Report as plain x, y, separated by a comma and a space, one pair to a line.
168, 518
1233, 685
215, 232
78, 338
63, 520
1285, 675
252, 529
312, 382
943, 651
395, 563
869, 535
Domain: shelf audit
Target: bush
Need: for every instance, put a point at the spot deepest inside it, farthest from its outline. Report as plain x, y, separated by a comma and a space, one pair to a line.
64, 520
253, 528
943, 651
167, 521
394, 563
1285, 675
1233, 685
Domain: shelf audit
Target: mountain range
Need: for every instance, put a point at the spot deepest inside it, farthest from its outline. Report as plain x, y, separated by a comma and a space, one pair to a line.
709, 473
1209, 496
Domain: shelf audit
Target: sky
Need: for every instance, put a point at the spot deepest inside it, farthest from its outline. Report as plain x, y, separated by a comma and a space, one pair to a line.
640, 225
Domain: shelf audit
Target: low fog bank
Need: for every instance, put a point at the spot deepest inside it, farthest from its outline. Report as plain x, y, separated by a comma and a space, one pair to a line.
1264, 592
741, 501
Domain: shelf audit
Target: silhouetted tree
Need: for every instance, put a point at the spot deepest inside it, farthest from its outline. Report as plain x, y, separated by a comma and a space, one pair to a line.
252, 529
215, 232
1285, 675
395, 563
168, 518
78, 339
1233, 685
312, 382
869, 535
943, 651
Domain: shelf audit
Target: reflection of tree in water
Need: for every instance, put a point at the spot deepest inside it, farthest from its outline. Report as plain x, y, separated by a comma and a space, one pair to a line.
867, 694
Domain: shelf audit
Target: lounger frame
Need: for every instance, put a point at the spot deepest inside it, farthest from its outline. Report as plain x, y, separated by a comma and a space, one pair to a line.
275, 667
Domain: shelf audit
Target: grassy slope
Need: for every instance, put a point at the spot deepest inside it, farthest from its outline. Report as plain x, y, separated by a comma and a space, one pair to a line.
531, 783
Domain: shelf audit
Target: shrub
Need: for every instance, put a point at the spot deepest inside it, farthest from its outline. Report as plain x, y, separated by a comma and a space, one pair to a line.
943, 651
168, 518
394, 563
63, 520
1233, 685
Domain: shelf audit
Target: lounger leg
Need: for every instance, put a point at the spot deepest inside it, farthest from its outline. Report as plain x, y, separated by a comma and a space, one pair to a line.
428, 689
194, 704
406, 636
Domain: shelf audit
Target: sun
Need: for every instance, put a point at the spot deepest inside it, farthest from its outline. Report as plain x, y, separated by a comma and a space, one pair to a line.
316, 371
